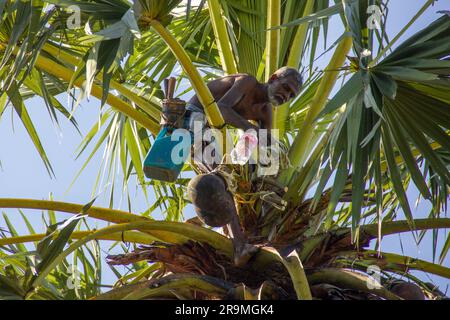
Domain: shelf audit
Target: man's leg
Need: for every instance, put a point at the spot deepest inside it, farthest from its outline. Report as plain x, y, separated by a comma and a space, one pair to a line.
243, 251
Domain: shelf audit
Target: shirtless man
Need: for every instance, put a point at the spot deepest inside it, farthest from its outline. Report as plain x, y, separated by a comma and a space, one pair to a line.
240, 98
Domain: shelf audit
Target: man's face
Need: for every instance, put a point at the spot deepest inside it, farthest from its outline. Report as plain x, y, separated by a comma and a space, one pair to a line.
281, 90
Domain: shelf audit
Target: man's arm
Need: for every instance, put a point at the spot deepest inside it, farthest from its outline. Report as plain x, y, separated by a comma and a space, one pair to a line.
232, 98
265, 111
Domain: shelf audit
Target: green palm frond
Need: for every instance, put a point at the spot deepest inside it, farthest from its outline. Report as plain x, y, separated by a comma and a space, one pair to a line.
385, 117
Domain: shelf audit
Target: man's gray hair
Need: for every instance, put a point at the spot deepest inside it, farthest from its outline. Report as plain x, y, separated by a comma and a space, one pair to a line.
289, 72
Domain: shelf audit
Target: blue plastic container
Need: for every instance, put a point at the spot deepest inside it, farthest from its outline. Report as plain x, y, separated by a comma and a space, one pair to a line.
168, 154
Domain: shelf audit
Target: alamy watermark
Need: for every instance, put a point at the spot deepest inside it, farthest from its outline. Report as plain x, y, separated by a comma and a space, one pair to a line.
374, 279
74, 20
375, 15
205, 148
73, 281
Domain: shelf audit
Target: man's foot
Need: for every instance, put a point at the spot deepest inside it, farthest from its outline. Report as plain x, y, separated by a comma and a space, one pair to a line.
243, 253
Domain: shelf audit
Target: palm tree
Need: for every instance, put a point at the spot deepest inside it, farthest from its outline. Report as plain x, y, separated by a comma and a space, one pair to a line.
370, 125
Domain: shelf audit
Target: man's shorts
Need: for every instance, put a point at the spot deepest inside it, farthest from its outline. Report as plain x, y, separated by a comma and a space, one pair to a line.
195, 121
194, 114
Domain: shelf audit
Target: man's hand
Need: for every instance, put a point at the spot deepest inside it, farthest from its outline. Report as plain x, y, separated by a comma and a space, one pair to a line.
243, 252
264, 111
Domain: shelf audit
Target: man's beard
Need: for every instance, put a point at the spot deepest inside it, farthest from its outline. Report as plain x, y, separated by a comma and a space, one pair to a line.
273, 98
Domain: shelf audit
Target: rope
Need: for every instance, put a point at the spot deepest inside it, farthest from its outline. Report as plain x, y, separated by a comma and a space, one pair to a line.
228, 173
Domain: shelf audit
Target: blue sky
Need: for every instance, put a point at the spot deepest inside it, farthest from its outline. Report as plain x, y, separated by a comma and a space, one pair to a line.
22, 174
